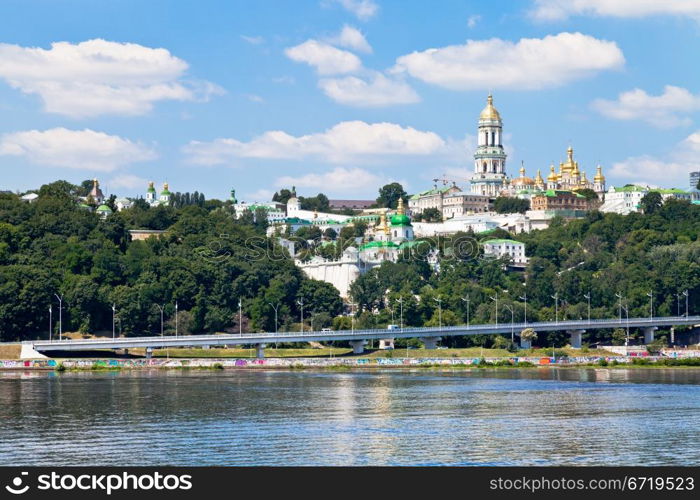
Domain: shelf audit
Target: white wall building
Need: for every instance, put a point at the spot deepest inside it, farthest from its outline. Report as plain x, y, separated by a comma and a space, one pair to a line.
505, 248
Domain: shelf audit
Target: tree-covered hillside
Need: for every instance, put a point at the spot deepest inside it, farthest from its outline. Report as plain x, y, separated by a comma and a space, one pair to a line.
206, 262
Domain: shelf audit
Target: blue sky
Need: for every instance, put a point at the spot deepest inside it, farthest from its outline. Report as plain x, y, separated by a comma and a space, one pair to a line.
341, 96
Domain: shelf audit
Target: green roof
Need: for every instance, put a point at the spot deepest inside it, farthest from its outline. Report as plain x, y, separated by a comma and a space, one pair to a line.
431, 191
553, 193
501, 242
670, 191
379, 244
104, 208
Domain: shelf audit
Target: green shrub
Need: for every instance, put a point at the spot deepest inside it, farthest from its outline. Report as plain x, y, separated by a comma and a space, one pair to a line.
602, 362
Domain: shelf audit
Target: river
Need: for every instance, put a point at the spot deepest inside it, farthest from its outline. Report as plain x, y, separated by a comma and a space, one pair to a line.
535, 416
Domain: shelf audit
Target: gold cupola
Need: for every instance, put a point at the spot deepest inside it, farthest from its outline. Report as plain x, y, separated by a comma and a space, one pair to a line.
539, 181
552, 177
490, 113
599, 177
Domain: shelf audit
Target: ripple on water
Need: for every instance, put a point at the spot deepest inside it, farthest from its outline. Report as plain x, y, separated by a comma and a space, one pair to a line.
514, 417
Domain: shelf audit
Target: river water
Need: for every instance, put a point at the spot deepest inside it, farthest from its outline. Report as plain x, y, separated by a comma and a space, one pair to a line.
481, 417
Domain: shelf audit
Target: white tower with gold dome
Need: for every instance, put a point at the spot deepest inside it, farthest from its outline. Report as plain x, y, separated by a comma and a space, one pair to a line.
490, 157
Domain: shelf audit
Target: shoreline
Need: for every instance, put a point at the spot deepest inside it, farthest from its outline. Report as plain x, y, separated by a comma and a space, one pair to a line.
349, 363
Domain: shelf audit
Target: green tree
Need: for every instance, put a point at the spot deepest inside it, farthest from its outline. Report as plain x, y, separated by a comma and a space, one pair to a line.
651, 202
389, 195
510, 205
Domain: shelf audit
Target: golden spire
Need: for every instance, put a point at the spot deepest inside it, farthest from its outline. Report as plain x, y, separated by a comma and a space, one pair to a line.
538, 179
599, 177
400, 210
150, 184
522, 169
95, 182
570, 154
165, 186
552, 177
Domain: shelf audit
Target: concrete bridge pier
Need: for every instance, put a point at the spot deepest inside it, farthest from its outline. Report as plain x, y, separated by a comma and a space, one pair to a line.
149, 352
525, 344
358, 346
649, 334
260, 351
575, 338
430, 342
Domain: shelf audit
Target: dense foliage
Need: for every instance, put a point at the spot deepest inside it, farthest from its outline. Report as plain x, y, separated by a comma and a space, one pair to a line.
206, 261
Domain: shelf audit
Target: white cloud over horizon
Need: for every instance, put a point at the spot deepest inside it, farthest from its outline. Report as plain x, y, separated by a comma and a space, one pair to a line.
77, 149
528, 64
346, 141
377, 91
127, 181
339, 180
554, 10
663, 111
327, 60
99, 77
351, 38
362, 9
652, 170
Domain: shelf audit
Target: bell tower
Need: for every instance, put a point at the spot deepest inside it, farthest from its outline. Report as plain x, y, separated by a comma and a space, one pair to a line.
490, 157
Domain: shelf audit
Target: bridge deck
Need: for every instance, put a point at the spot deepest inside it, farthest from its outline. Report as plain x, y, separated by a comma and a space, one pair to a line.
269, 338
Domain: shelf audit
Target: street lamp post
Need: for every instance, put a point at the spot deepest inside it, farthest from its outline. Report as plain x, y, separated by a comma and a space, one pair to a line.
556, 307
50, 321
524, 298
512, 323
587, 296
60, 315
240, 318
160, 308
439, 301
176, 319
275, 308
114, 312
495, 299
400, 301
651, 305
619, 296
352, 317
466, 299
301, 323
685, 293
627, 312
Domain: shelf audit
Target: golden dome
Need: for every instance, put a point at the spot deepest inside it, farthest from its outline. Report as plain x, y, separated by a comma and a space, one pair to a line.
552, 177
599, 177
538, 179
523, 181
489, 113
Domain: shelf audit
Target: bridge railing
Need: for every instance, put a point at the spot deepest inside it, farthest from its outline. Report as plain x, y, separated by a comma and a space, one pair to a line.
434, 331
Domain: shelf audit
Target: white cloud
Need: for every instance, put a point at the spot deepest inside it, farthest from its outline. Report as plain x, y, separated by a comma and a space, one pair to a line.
260, 195
79, 149
351, 38
472, 20
531, 63
127, 181
253, 40
254, 98
548, 10
337, 181
662, 111
327, 59
98, 77
351, 140
380, 91
646, 169
362, 9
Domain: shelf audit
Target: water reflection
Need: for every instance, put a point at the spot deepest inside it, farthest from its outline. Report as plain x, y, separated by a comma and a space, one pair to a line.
510, 417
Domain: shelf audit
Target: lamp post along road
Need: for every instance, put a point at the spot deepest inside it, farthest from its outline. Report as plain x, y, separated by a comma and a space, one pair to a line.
587, 296
512, 323
466, 299
439, 301
275, 308
176, 319
114, 312
524, 298
556, 307
240, 317
495, 299
50, 321
60, 315
685, 293
301, 323
651, 305
161, 309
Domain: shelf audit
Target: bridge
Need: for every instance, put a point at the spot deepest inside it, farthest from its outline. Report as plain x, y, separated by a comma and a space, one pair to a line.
430, 336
